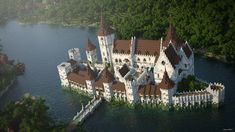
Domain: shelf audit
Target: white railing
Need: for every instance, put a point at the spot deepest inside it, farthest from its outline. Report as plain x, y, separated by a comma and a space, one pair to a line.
87, 110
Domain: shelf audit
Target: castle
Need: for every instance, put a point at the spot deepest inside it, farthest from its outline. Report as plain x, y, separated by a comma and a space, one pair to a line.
136, 70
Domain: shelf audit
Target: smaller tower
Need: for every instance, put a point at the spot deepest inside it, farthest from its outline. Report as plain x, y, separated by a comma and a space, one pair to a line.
64, 69
131, 91
217, 90
91, 53
74, 54
167, 88
90, 81
107, 78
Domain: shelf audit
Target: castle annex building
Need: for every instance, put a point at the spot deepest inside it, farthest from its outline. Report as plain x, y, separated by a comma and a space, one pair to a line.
136, 70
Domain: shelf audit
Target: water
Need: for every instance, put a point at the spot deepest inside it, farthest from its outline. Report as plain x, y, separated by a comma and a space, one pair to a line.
43, 47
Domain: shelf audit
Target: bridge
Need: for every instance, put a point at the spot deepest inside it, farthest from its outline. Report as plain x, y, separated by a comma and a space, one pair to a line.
86, 111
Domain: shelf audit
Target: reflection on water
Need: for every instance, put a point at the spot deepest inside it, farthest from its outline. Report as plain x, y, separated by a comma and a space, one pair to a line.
43, 47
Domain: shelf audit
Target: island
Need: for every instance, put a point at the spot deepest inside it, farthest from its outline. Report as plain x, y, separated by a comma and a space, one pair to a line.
138, 71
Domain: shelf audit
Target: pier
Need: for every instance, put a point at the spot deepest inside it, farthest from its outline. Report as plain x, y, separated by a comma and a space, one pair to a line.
86, 111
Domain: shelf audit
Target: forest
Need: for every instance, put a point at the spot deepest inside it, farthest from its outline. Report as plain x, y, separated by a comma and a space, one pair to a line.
208, 25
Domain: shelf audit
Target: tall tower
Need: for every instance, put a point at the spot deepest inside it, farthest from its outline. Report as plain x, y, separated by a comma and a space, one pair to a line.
91, 53
105, 37
74, 54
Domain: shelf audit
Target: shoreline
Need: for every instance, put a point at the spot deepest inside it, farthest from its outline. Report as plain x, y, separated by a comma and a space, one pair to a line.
92, 25
210, 55
7, 87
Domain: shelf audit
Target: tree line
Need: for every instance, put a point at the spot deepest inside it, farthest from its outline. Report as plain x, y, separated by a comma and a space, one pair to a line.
208, 25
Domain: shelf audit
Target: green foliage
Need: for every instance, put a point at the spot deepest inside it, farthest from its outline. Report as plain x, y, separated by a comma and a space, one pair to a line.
190, 84
7, 76
28, 114
205, 24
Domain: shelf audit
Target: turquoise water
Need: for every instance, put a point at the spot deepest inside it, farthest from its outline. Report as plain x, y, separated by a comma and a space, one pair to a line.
43, 47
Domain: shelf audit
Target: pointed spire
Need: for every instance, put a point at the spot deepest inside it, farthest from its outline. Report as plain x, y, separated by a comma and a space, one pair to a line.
171, 37
89, 45
107, 76
104, 27
166, 82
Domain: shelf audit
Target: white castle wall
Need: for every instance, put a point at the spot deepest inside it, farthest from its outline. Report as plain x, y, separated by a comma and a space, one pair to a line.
217, 95
131, 91
91, 56
108, 91
191, 98
63, 69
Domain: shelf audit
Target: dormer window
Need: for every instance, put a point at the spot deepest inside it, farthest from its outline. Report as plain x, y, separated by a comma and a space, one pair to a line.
163, 62
144, 60
101, 38
138, 59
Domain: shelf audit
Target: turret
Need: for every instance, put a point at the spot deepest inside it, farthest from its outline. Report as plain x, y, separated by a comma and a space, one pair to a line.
131, 91
172, 38
167, 88
217, 90
106, 38
90, 81
107, 78
74, 54
64, 69
91, 53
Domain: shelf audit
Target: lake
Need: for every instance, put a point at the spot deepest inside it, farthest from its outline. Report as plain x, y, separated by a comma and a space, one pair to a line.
42, 47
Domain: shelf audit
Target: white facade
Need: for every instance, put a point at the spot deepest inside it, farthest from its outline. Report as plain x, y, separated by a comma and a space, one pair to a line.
105, 43
91, 56
74, 54
64, 68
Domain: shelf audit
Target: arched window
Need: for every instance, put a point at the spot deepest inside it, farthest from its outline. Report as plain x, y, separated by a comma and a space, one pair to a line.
144, 60
116, 60
120, 60
126, 60
105, 59
138, 59
163, 63
128, 52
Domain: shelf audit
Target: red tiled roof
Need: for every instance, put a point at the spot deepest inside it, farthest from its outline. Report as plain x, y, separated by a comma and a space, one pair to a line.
172, 55
147, 47
166, 82
81, 75
171, 36
105, 77
122, 46
187, 50
89, 45
149, 90
118, 87
104, 28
